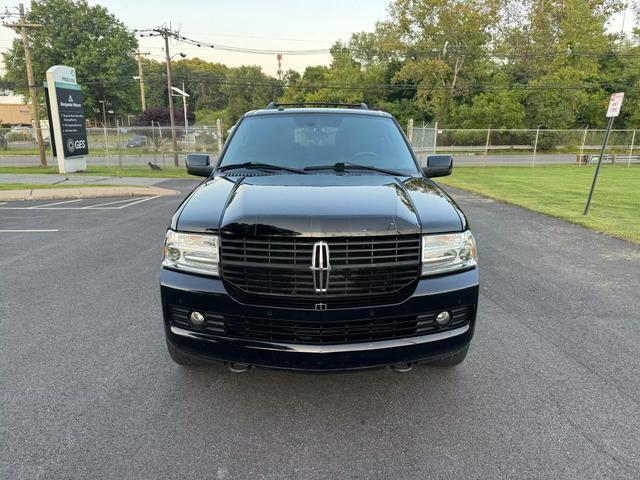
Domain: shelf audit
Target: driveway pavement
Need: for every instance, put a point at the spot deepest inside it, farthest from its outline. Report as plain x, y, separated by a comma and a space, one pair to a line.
550, 388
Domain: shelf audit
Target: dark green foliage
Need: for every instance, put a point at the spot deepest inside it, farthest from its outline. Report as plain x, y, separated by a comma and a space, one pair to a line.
86, 37
463, 63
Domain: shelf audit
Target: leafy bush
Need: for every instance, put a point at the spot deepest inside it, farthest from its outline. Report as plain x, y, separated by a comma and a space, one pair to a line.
18, 136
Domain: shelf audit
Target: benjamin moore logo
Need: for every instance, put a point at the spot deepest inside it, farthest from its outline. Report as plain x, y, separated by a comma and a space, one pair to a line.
70, 102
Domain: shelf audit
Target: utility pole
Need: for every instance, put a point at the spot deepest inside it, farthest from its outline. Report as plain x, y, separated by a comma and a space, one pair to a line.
24, 27
143, 100
280, 74
166, 33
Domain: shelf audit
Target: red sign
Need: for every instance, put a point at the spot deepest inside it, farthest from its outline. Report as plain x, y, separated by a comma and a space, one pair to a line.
615, 104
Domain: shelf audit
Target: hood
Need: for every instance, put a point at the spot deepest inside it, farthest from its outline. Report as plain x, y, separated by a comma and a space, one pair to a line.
316, 205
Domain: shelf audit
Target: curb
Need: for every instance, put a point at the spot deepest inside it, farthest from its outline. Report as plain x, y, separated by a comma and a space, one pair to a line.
83, 192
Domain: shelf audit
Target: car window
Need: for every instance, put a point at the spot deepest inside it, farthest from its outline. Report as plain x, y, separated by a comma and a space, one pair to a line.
301, 140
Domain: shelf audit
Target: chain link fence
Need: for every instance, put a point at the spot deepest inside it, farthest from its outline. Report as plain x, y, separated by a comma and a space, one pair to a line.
141, 145
118, 147
525, 146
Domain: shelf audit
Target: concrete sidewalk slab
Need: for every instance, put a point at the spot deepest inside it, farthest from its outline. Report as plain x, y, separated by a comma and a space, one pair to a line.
83, 192
79, 179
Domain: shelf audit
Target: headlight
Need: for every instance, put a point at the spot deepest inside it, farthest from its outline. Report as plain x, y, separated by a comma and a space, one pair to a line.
192, 252
449, 252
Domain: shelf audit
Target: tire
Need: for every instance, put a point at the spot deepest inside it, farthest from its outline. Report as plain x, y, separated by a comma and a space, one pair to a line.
183, 359
452, 359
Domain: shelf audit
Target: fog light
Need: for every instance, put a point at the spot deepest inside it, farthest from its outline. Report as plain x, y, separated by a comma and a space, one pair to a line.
196, 319
442, 319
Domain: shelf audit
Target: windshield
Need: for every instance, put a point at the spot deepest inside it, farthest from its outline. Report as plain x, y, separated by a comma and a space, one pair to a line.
300, 140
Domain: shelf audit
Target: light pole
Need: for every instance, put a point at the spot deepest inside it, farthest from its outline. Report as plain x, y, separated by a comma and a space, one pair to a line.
104, 128
184, 96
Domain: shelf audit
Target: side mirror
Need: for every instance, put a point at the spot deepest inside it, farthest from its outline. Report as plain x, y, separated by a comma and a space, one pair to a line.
198, 164
438, 166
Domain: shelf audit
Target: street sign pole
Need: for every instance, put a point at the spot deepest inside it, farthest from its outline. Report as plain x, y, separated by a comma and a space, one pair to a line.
615, 103
595, 176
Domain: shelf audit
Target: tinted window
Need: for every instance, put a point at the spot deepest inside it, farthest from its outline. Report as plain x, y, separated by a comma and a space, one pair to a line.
301, 140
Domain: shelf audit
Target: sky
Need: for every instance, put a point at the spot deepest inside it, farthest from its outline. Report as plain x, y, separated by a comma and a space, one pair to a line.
262, 24
266, 24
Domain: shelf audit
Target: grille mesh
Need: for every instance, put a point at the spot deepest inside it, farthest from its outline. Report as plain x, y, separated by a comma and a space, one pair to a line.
314, 332
364, 270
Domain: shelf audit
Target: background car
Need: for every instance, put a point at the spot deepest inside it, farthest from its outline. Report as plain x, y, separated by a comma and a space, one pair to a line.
137, 141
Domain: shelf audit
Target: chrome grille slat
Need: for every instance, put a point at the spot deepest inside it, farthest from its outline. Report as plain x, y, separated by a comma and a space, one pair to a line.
364, 271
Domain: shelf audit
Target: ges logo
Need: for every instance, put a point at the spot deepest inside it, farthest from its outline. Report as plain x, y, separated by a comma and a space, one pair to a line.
73, 145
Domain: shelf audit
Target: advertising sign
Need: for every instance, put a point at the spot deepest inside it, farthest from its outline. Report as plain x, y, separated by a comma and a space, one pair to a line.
66, 119
72, 126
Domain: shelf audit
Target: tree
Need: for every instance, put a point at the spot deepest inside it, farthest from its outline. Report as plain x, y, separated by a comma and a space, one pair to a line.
248, 88
499, 109
203, 81
160, 115
299, 89
446, 45
558, 49
88, 38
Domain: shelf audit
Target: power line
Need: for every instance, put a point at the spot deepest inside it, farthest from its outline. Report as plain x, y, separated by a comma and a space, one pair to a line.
257, 37
229, 48
221, 80
413, 52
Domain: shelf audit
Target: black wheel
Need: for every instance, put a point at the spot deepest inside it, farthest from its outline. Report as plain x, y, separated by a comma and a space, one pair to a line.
184, 359
452, 359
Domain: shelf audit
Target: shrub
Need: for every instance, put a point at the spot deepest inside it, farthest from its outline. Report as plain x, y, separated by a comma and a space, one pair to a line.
18, 136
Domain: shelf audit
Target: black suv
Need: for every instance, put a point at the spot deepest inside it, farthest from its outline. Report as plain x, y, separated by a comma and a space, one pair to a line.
318, 242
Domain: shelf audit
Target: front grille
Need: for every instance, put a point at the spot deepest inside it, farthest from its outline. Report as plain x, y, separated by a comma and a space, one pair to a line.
277, 270
315, 332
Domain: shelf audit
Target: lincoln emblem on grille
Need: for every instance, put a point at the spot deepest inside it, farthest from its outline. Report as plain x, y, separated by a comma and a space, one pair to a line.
320, 267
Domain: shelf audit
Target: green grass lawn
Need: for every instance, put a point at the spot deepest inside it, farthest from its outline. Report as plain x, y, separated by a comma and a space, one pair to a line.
561, 191
33, 186
133, 171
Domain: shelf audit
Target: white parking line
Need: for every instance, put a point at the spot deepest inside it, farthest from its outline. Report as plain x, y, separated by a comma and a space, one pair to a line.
29, 231
56, 203
100, 206
107, 203
50, 209
134, 203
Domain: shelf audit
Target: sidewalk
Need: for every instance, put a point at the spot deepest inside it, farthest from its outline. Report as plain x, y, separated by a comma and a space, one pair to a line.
83, 192
83, 179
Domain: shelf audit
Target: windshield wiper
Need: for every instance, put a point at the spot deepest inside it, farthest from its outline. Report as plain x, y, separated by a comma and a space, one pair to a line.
340, 167
259, 166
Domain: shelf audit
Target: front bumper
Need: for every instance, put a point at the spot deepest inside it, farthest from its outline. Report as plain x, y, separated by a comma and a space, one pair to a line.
208, 294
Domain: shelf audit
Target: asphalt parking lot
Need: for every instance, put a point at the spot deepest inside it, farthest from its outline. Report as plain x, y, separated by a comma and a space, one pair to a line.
115, 203
550, 389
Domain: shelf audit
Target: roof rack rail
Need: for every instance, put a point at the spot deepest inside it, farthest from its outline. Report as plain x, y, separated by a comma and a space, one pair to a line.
274, 105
